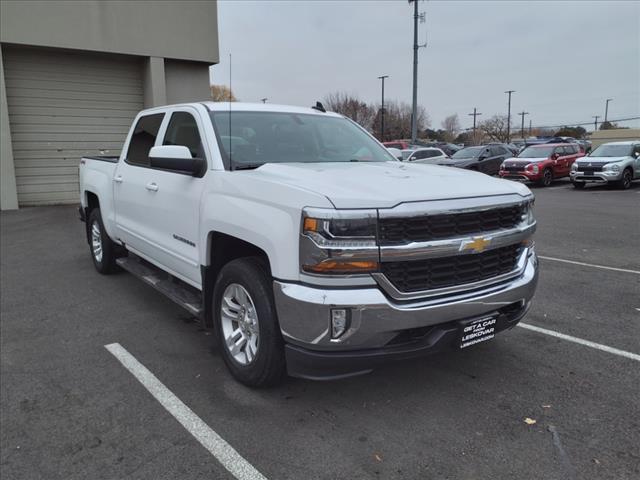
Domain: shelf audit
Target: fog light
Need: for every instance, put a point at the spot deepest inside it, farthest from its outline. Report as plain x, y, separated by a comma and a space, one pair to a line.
339, 322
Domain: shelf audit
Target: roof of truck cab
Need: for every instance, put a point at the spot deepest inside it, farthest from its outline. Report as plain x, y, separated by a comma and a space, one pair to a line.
263, 107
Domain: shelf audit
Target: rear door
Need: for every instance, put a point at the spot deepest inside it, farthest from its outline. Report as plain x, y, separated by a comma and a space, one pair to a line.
131, 193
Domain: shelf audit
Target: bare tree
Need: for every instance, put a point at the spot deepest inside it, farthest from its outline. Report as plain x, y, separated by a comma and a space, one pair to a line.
451, 126
350, 106
495, 128
222, 93
397, 120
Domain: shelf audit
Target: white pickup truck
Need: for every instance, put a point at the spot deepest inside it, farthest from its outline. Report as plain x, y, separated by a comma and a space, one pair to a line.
303, 244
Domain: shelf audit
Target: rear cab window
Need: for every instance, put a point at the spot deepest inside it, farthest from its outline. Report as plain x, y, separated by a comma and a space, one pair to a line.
143, 138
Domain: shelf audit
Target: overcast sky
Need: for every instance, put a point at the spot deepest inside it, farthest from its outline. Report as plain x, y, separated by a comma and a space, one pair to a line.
563, 59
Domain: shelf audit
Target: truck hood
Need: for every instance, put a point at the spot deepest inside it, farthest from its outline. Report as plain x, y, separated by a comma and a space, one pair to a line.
385, 184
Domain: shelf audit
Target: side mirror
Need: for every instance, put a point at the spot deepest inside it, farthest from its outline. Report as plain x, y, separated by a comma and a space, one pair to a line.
636, 154
555, 156
176, 158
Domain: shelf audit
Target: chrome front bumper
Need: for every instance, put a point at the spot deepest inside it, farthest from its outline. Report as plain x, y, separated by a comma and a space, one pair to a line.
304, 311
597, 177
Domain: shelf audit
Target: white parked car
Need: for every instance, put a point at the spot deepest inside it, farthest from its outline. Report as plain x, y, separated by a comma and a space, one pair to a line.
396, 152
301, 242
430, 155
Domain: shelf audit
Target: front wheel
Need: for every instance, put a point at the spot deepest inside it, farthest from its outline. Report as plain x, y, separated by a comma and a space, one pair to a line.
246, 323
103, 250
547, 177
625, 182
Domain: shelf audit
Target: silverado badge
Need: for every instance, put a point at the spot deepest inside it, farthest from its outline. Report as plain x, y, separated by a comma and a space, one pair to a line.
477, 244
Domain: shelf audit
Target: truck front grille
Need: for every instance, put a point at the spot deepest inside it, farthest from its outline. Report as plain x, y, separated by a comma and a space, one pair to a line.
398, 231
419, 275
513, 168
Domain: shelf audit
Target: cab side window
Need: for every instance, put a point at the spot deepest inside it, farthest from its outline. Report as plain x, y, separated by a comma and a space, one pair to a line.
143, 138
183, 130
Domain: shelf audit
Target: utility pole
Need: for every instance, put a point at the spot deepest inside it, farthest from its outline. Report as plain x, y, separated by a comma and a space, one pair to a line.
529, 127
522, 114
414, 105
595, 124
509, 92
264, 100
474, 115
382, 109
606, 109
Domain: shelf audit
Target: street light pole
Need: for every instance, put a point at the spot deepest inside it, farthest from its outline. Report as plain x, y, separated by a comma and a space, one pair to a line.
606, 109
414, 105
595, 124
522, 114
264, 100
509, 92
382, 77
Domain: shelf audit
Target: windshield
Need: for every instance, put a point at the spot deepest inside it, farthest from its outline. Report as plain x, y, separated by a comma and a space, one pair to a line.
470, 152
536, 152
256, 138
612, 151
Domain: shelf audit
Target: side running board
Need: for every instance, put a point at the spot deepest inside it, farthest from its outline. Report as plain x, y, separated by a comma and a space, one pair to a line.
184, 295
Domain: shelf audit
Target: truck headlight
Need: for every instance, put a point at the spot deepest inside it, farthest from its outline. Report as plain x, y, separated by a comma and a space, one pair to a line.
611, 167
527, 217
533, 168
338, 242
574, 167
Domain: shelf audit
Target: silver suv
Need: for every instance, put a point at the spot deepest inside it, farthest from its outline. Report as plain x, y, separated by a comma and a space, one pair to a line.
615, 162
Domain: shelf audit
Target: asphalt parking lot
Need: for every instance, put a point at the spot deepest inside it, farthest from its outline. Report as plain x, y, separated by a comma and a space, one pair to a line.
70, 410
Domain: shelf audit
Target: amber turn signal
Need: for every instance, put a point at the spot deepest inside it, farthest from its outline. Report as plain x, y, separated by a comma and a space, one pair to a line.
331, 266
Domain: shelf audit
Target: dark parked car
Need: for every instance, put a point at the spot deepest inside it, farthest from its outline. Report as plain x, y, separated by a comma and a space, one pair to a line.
486, 159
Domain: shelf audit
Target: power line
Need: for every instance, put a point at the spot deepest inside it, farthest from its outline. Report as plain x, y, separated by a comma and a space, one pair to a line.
576, 124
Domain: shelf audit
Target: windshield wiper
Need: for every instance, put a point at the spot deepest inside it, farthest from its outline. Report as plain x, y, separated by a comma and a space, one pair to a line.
247, 166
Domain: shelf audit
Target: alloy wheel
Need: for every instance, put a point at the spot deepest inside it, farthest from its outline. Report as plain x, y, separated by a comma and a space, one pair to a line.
239, 321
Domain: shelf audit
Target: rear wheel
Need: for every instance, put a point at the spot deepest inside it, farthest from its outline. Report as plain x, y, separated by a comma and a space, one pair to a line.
246, 323
625, 182
547, 177
103, 249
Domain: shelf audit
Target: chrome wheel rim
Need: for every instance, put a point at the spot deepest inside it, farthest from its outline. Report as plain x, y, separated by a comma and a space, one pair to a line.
547, 178
239, 324
96, 241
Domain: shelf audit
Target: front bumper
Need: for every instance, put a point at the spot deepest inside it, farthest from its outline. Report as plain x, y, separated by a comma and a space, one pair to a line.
595, 177
381, 329
522, 176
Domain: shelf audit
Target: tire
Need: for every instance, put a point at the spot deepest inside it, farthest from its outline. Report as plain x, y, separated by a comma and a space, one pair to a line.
244, 290
625, 182
547, 178
579, 185
102, 248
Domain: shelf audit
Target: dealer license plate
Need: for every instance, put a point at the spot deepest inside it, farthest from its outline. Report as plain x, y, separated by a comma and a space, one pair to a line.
477, 331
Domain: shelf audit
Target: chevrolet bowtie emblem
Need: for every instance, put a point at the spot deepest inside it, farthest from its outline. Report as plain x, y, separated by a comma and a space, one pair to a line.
477, 244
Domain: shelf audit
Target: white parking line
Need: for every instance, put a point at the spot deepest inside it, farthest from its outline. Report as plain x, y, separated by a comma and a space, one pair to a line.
586, 343
615, 269
214, 443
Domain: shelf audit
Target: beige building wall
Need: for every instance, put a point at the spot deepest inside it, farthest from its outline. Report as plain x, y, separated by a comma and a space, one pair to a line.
615, 135
176, 42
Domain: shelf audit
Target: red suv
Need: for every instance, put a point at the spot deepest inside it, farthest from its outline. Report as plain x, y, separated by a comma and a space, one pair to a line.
542, 163
399, 144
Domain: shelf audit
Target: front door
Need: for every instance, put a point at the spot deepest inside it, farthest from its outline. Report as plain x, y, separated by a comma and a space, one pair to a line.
175, 216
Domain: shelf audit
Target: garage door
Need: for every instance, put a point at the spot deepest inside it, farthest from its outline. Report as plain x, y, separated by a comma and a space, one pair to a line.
63, 105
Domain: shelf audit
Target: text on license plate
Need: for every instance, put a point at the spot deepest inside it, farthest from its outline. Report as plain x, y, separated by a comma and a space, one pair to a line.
479, 330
